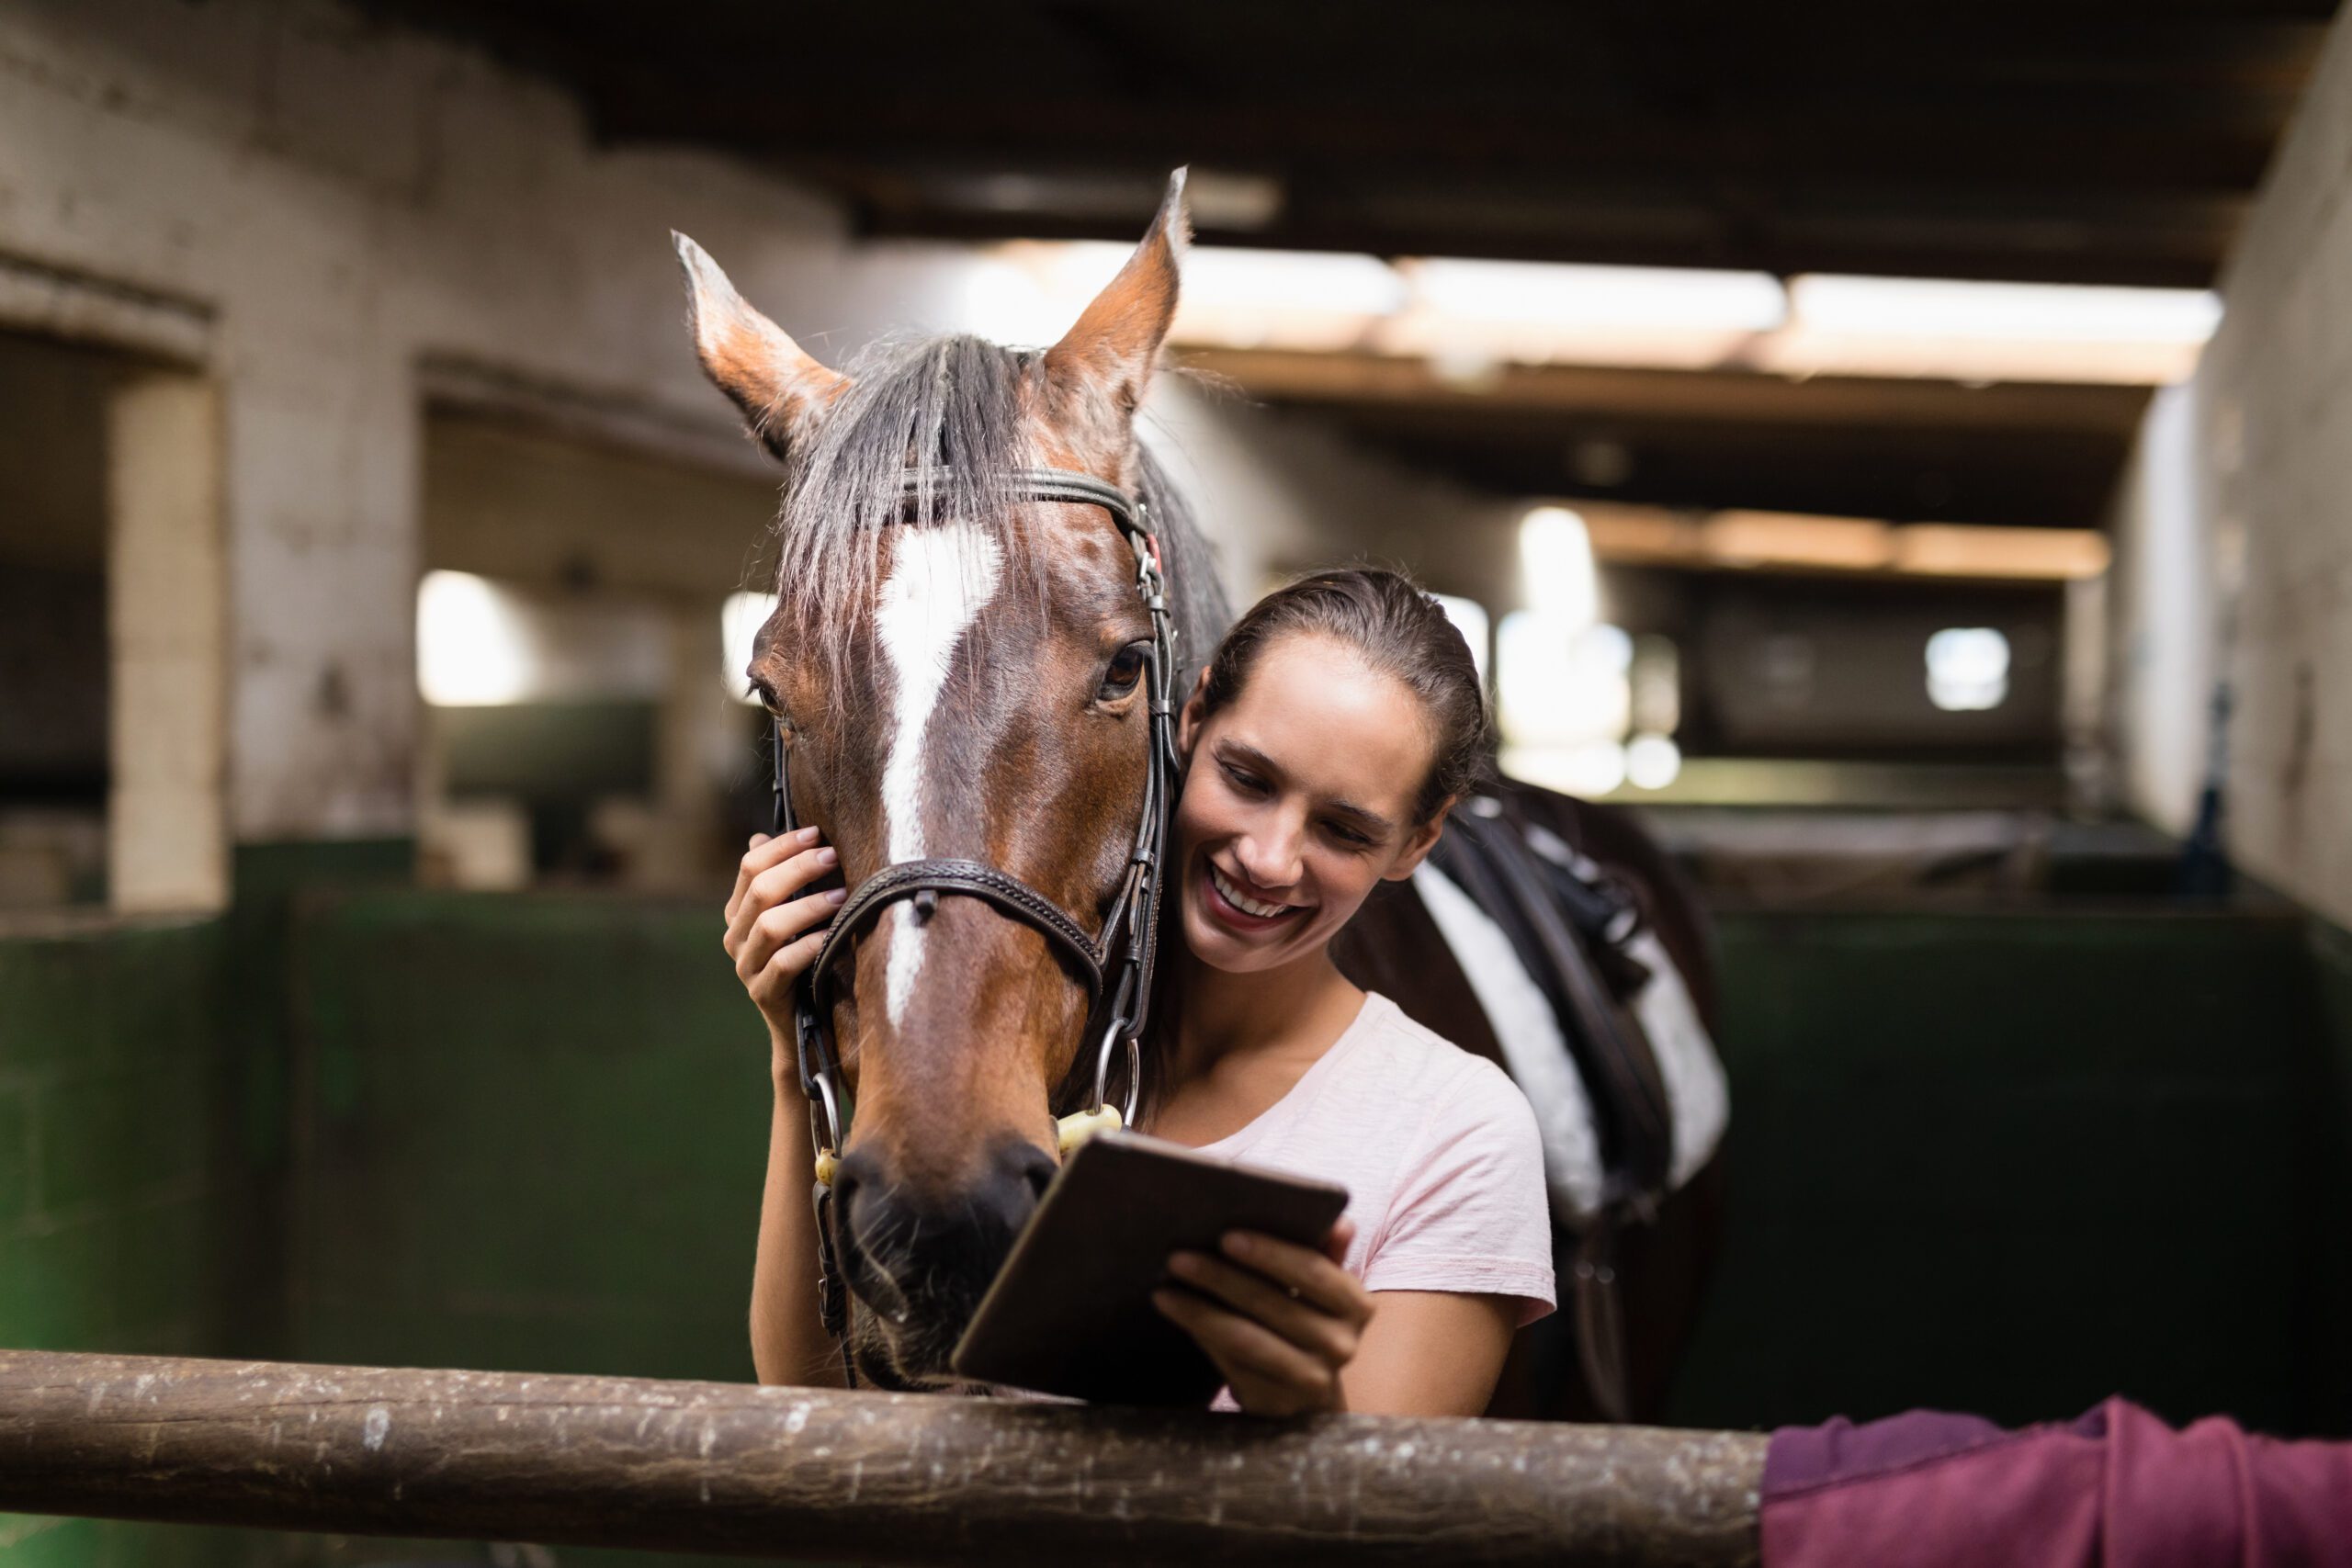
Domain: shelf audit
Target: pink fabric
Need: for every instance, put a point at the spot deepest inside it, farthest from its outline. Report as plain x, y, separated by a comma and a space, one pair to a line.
1438, 1151
2116, 1488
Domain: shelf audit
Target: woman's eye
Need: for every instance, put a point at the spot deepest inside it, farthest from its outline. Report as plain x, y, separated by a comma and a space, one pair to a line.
1347, 835
1127, 669
1248, 783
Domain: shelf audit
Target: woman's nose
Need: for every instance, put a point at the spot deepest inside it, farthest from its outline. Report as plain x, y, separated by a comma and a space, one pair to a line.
1270, 857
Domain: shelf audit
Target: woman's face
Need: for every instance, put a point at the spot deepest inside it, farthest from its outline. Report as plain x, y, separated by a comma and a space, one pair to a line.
1299, 799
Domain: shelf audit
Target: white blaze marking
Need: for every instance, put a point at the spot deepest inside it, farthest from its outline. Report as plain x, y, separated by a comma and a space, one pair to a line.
939, 581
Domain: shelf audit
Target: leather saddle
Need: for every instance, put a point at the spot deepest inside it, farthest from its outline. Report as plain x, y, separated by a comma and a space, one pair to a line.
1569, 923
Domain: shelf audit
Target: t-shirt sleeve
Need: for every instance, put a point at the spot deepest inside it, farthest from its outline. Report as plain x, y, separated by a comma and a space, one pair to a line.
1470, 1214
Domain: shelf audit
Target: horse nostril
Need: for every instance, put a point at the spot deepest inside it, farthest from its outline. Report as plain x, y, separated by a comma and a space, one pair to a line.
1039, 1168
862, 1226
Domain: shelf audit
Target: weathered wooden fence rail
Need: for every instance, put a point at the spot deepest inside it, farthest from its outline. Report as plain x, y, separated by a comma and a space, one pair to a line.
871, 1478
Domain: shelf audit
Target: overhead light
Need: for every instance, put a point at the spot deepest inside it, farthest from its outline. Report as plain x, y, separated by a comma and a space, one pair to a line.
1228, 277
1606, 299
1468, 318
1979, 333
2010, 312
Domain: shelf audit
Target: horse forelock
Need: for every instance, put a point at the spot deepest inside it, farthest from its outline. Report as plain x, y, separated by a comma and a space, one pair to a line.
949, 410
962, 415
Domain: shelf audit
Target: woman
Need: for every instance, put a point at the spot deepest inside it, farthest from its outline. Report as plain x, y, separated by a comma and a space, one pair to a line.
1323, 746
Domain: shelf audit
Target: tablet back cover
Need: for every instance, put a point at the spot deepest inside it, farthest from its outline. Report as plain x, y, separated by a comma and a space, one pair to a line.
1070, 1313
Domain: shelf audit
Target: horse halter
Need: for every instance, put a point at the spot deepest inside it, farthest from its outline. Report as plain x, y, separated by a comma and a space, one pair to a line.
1114, 963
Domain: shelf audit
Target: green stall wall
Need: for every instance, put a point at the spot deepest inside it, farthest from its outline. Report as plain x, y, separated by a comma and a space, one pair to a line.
2011, 1163
530, 1133
2016, 1163
123, 1190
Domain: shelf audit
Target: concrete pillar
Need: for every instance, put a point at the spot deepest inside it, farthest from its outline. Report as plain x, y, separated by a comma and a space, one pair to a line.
167, 634
322, 477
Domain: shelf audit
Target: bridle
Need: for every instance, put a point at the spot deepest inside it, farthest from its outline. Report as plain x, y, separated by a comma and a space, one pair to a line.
1114, 963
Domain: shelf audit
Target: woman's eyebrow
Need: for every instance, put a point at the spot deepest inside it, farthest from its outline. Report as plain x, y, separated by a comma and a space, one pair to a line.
1248, 756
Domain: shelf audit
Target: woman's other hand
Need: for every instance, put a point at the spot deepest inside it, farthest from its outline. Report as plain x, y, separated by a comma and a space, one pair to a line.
1280, 1320
774, 926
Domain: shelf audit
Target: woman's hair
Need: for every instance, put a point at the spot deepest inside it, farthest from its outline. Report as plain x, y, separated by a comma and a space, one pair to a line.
1396, 629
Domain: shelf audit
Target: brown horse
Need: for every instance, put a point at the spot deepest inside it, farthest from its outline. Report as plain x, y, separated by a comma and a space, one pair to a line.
953, 688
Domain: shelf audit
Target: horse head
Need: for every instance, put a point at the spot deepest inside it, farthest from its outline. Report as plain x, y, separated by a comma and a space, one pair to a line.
958, 671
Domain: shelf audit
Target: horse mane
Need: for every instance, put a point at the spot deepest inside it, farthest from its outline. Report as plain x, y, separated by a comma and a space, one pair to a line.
950, 410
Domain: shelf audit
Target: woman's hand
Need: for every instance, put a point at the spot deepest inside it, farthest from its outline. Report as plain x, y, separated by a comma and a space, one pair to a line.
773, 932
1280, 1320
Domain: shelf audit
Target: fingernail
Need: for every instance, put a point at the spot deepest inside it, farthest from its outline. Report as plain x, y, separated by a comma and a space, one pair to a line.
758, 839
1239, 1243
807, 835
1185, 1263
828, 856
838, 896
1165, 1301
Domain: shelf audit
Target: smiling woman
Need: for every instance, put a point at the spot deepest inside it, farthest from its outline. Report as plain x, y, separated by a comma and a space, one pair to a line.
1338, 722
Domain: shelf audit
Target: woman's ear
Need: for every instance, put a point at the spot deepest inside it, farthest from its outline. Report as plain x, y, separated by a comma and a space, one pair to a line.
1419, 842
1188, 722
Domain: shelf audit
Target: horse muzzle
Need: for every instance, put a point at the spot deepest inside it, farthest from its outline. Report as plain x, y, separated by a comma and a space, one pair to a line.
918, 1260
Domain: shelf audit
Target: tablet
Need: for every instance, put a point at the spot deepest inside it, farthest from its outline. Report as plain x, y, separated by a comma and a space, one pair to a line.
1070, 1311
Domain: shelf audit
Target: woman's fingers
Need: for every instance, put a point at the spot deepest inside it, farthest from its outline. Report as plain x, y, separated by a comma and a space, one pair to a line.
780, 925
1269, 1375
765, 852
769, 888
771, 988
1328, 1334
1310, 1271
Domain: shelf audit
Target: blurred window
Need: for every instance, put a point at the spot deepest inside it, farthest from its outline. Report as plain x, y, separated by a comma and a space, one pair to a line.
1565, 697
1968, 669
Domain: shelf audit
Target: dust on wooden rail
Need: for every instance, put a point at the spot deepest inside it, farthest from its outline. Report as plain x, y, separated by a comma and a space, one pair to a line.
730, 1468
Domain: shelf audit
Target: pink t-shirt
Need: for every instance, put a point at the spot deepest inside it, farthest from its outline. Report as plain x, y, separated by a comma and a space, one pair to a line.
1439, 1153
1440, 1156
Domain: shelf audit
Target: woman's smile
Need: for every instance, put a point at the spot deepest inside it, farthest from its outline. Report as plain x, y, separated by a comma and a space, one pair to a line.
1226, 899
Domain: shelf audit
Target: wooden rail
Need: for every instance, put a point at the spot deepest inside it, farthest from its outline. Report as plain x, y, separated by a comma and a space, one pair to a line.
867, 1477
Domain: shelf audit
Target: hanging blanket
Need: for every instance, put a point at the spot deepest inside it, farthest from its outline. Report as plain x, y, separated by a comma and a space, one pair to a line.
2116, 1489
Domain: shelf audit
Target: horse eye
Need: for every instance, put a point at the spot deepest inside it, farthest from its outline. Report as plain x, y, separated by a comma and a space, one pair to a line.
1127, 669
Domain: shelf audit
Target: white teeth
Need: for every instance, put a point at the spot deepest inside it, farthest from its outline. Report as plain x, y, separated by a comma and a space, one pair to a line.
1233, 895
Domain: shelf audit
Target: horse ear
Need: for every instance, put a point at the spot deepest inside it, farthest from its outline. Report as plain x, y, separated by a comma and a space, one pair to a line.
1109, 353
753, 360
